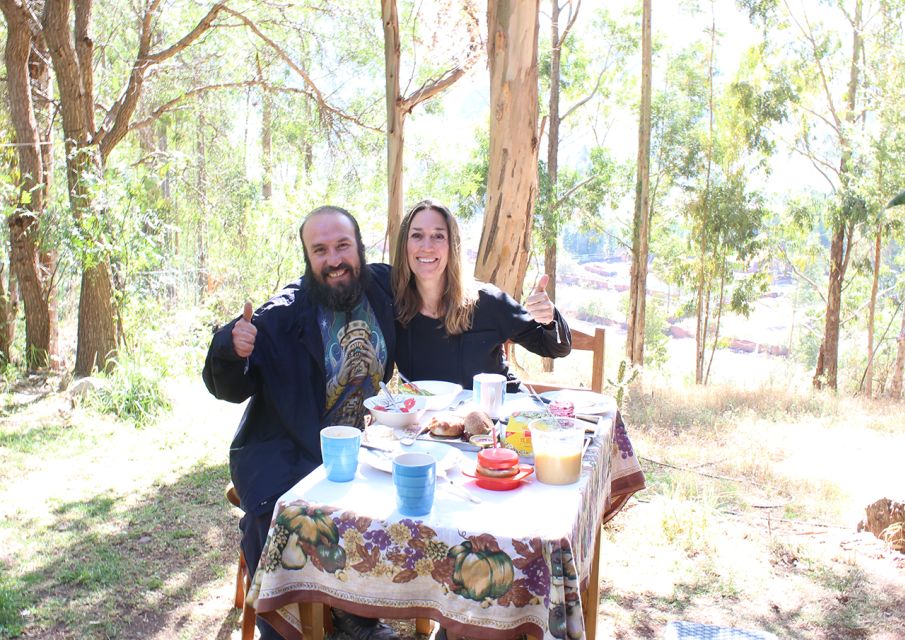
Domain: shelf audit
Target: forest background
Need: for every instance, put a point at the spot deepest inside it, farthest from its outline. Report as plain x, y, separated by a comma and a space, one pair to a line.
158, 156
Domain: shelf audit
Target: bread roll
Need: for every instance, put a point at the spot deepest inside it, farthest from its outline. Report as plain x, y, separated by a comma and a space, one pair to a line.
477, 423
450, 426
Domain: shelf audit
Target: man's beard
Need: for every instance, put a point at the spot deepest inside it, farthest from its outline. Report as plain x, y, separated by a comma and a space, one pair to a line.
339, 297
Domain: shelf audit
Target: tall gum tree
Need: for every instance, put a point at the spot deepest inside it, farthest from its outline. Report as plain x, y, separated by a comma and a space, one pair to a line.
634, 339
399, 106
512, 175
66, 28
27, 73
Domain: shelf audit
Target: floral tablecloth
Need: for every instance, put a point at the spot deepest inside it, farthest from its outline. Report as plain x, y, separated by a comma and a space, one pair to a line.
515, 563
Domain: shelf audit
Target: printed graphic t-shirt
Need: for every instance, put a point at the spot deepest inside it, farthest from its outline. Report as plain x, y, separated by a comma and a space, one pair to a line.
355, 356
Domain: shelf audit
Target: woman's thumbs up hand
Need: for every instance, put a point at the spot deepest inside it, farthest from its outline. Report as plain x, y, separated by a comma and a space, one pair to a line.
539, 304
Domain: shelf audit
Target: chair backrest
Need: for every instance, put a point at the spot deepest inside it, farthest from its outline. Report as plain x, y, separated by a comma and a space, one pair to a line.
585, 337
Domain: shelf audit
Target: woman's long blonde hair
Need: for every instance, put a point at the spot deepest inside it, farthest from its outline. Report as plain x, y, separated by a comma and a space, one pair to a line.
458, 301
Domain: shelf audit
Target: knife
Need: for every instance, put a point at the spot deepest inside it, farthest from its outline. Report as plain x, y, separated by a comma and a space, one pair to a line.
458, 444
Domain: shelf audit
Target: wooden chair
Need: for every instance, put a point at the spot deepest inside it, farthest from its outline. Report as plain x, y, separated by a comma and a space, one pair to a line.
585, 337
243, 580
315, 617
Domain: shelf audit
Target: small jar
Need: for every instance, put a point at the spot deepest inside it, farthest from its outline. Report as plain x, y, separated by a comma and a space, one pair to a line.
562, 409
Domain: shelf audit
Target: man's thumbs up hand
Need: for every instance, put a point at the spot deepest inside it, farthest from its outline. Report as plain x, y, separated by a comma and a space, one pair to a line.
539, 304
244, 333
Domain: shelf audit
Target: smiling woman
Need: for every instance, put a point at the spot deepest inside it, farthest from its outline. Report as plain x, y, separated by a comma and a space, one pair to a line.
450, 328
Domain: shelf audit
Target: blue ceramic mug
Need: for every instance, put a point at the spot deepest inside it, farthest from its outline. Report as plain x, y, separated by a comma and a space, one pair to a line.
415, 477
339, 450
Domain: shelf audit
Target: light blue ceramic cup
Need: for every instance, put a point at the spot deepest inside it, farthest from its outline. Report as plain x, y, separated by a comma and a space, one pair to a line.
489, 392
339, 450
415, 477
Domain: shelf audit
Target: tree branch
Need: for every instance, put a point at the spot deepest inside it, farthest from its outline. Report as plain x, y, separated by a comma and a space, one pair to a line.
315, 93
818, 60
801, 275
573, 15
432, 87
568, 194
586, 98
116, 124
169, 105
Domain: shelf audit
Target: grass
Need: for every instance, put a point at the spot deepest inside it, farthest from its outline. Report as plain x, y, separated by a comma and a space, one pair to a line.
109, 531
748, 504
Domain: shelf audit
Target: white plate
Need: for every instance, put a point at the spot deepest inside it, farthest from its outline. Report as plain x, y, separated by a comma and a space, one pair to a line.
447, 457
583, 401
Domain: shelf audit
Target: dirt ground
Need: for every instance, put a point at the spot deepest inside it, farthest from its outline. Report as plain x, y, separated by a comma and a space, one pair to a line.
683, 549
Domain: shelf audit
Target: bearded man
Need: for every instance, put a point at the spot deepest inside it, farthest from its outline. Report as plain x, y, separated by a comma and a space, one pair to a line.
305, 360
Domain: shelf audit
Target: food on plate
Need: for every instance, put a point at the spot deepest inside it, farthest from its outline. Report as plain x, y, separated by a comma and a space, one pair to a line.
449, 426
497, 462
414, 390
407, 406
477, 423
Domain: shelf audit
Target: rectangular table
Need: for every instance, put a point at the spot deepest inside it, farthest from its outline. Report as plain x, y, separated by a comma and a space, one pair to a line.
518, 562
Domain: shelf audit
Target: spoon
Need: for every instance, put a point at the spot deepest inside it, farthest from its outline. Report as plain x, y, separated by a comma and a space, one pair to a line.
386, 390
440, 474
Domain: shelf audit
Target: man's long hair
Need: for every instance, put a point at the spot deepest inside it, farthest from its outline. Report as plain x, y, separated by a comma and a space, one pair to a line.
459, 297
339, 298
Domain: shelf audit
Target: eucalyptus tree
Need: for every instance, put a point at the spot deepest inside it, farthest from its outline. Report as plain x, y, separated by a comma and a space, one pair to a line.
634, 340
722, 153
826, 50
512, 176
582, 69
29, 97
458, 25
67, 30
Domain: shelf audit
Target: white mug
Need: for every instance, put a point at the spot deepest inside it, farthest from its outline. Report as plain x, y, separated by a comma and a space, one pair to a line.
488, 392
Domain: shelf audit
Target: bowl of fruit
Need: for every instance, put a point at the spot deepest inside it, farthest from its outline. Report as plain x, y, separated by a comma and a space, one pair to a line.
407, 411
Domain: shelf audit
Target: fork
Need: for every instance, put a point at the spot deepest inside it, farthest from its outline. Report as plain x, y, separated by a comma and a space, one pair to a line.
461, 491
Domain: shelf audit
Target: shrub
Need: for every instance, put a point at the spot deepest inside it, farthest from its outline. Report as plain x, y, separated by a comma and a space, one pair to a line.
133, 391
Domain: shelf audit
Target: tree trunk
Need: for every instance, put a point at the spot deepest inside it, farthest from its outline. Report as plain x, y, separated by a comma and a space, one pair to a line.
826, 372
701, 325
73, 68
551, 225
266, 144
395, 123
869, 374
7, 321
895, 387
24, 223
512, 175
550, 268
95, 320
201, 190
634, 343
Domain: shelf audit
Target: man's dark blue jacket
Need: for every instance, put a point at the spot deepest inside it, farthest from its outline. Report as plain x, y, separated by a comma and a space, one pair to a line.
278, 439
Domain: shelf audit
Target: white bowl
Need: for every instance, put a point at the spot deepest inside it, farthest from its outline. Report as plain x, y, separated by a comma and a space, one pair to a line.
391, 417
442, 393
